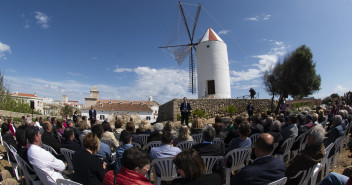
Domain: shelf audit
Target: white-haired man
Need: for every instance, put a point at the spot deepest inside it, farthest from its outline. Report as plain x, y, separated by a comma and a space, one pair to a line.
310, 156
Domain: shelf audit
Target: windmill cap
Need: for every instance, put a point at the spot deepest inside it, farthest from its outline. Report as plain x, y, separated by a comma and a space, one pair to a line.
210, 35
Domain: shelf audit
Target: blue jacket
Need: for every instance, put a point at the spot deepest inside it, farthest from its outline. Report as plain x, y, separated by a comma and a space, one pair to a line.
262, 171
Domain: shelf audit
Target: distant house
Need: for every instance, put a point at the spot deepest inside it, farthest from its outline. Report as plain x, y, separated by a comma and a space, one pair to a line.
147, 110
38, 102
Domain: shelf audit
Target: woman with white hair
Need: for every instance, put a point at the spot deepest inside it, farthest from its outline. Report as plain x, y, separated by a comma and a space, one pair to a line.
156, 134
307, 158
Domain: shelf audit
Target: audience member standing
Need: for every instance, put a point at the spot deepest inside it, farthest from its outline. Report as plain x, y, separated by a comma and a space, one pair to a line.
250, 110
12, 126
41, 158
265, 168
185, 109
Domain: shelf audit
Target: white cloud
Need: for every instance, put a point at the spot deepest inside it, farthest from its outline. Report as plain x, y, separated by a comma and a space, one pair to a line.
76, 74
256, 70
262, 17
162, 84
120, 70
252, 18
340, 90
42, 19
224, 32
3, 49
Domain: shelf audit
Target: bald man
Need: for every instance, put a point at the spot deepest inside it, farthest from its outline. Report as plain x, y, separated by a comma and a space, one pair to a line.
265, 168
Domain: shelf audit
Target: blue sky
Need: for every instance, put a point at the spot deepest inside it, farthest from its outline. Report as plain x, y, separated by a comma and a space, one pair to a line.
66, 47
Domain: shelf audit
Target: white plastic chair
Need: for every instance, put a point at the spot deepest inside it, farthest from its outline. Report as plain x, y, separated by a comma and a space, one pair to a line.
24, 166
44, 177
338, 149
136, 145
11, 150
144, 138
166, 168
185, 145
299, 139
50, 149
323, 164
209, 162
306, 175
68, 154
287, 145
238, 158
152, 144
66, 182
197, 137
281, 181
254, 138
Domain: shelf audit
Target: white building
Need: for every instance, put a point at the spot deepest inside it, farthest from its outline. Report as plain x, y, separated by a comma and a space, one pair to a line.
213, 73
27, 98
147, 110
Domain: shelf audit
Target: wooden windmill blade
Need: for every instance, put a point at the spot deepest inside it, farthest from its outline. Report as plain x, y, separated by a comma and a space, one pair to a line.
184, 51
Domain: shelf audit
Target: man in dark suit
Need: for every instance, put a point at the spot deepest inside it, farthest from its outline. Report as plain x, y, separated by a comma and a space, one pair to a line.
250, 109
92, 115
185, 109
265, 168
207, 147
48, 137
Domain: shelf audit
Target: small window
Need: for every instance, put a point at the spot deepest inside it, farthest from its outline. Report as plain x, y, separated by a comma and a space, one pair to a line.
147, 118
102, 117
131, 102
120, 102
110, 102
101, 105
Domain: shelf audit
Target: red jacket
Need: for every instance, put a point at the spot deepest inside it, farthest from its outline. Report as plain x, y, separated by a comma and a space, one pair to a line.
125, 177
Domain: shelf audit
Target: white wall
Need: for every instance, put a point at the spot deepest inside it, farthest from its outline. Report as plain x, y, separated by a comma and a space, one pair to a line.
212, 64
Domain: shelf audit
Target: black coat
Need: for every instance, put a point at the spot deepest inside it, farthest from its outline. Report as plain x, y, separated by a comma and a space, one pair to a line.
210, 179
48, 138
205, 149
261, 171
188, 108
88, 168
71, 145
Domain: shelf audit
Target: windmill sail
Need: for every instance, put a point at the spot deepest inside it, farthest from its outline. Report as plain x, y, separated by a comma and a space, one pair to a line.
182, 52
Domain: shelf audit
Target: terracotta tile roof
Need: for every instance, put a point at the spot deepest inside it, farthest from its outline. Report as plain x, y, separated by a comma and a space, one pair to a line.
122, 107
23, 94
129, 102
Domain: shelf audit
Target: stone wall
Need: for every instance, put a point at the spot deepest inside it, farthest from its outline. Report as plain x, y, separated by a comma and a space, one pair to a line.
213, 107
17, 114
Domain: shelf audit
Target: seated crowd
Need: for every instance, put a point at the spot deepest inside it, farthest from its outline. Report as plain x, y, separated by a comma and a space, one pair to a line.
96, 162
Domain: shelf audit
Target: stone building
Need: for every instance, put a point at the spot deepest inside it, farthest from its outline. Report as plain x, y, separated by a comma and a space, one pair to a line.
38, 102
147, 110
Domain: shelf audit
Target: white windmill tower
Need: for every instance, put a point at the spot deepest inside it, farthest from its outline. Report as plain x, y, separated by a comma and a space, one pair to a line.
213, 67
212, 61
